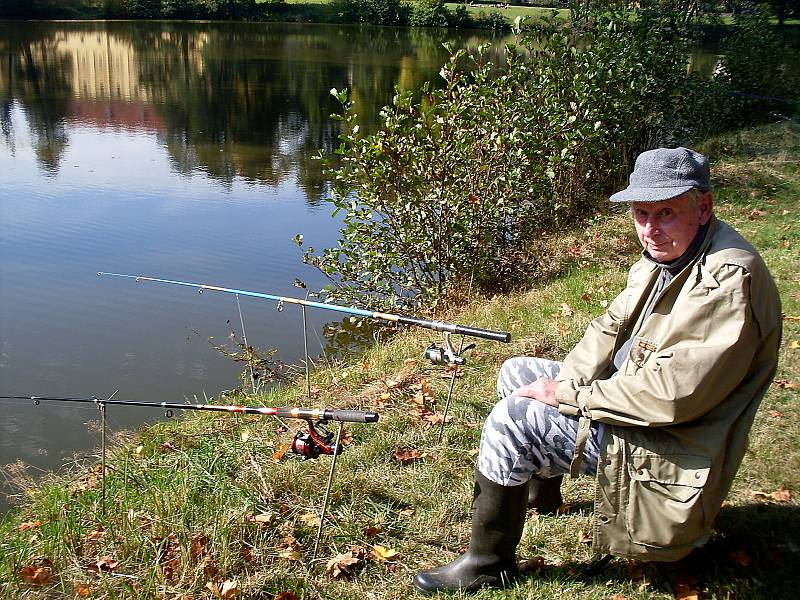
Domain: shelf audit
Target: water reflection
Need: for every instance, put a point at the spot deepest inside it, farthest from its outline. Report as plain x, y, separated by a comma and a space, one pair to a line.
229, 100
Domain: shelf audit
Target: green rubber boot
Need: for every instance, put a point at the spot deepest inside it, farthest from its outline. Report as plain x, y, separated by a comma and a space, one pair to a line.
545, 494
498, 517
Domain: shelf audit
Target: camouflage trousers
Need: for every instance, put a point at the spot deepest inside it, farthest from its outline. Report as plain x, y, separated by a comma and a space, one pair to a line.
523, 437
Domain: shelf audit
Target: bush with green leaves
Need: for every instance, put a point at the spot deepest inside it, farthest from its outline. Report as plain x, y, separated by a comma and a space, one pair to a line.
375, 12
429, 13
454, 186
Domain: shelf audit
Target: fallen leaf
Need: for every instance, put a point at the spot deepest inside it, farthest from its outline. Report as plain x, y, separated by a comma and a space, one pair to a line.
406, 455
436, 418
794, 345
342, 565
407, 512
104, 564
779, 495
372, 531
278, 455
775, 414
782, 495
262, 519
29, 525
565, 310
756, 212
36, 575
785, 384
245, 435
198, 546
791, 317
618, 597
289, 549
83, 590
286, 596
474, 452
311, 519
586, 297
225, 590
383, 554
347, 438
168, 446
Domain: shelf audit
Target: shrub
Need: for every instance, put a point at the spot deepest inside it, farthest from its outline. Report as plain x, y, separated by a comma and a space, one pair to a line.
429, 13
451, 189
376, 12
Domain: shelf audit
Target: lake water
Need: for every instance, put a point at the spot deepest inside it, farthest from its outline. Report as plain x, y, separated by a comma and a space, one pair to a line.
175, 150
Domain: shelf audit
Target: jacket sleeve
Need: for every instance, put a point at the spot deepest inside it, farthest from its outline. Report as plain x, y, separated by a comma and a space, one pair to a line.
684, 378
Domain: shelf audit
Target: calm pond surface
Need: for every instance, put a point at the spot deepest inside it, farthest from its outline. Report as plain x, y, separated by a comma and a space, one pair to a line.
175, 150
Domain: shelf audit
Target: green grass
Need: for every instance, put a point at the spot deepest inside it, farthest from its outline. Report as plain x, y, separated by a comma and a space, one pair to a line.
180, 495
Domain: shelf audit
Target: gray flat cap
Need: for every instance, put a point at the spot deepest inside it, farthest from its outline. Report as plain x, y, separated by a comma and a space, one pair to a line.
665, 173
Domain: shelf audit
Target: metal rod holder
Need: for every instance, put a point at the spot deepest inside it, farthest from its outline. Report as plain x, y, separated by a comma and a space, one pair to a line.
328, 490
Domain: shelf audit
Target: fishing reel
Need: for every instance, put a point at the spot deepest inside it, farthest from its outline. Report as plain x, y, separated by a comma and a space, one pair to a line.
446, 354
315, 441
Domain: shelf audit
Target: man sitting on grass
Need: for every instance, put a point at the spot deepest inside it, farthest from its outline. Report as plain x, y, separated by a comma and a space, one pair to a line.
655, 401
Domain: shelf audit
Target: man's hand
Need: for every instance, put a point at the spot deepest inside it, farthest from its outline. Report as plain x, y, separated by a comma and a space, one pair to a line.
543, 390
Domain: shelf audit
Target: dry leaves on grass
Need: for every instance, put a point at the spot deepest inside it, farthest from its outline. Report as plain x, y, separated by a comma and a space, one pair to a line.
29, 525
289, 549
407, 455
286, 596
785, 384
84, 590
225, 590
779, 495
104, 564
346, 564
38, 572
311, 519
280, 452
263, 520
775, 414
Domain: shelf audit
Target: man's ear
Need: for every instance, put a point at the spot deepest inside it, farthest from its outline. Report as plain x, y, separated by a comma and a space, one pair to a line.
706, 206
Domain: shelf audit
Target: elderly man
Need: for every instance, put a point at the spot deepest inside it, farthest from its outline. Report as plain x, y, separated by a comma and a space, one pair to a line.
656, 400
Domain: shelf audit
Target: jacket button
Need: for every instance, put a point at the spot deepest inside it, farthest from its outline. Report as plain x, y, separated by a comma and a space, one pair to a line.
697, 475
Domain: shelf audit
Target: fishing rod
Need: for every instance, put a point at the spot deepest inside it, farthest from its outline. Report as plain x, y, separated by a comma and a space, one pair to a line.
448, 328
310, 444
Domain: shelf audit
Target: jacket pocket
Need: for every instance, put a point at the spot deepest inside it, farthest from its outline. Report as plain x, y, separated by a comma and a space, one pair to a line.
665, 505
641, 350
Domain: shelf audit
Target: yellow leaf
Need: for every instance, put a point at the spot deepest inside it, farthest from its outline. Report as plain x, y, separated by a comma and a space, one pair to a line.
407, 512
794, 345
311, 519
289, 554
139, 449
245, 435
383, 554
278, 455
262, 519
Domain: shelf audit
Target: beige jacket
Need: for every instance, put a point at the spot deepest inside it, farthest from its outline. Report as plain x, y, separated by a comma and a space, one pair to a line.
678, 412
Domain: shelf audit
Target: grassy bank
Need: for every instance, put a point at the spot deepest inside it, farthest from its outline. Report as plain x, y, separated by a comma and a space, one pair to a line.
213, 506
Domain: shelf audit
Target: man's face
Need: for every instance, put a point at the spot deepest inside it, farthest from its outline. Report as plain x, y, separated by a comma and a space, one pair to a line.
667, 228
